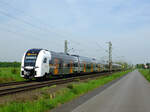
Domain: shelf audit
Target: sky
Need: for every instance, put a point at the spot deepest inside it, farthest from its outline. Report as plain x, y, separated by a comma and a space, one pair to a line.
87, 25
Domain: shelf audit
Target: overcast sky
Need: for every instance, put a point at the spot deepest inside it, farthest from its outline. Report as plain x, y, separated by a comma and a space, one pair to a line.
86, 24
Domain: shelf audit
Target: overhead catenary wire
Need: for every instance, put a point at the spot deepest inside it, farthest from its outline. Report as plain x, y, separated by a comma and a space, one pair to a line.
8, 15
39, 21
114, 54
30, 24
22, 21
23, 12
13, 32
44, 29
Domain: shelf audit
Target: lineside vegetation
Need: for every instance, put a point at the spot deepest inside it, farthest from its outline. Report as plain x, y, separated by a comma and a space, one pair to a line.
9, 74
10, 64
10, 71
50, 101
145, 73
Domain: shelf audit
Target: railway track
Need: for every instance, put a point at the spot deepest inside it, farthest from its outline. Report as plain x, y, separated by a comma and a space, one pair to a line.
27, 82
13, 83
21, 86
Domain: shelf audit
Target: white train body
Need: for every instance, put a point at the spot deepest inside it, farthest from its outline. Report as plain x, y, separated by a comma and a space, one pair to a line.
39, 63
35, 63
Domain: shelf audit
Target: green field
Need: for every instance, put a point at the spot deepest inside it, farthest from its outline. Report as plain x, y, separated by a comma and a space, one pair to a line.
47, 101
9, 74
145, 73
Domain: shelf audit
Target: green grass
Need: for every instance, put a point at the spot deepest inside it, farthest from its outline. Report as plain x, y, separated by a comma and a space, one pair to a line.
9, 74
145, 73
50, 101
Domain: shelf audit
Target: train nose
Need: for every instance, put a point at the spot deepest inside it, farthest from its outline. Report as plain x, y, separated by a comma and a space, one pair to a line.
29, 72
28, 67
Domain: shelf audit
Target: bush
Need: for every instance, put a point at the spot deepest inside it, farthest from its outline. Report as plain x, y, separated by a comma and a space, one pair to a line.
14, 71
70, 86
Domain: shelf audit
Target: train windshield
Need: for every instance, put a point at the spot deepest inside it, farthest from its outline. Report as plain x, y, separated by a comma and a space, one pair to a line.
31, 56
30, 60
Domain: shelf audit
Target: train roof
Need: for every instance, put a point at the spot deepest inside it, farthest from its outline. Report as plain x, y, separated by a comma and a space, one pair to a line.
63, 56
116, 64
68, 56
88, 60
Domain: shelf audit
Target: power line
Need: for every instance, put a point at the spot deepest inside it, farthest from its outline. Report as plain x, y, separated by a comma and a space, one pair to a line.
22, 21
21, 11
4, 3
21, 34
30, 24
8, 15
18, 10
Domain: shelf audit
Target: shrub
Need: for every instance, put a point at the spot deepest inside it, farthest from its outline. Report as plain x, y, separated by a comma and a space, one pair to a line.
70, 86
14, 71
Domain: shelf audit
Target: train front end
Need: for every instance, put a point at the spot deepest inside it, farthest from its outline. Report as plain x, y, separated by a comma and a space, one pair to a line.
29, 67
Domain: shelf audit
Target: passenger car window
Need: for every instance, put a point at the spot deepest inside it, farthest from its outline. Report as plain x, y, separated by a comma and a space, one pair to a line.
45, 60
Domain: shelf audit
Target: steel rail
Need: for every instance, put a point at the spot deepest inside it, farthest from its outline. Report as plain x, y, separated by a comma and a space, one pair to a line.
13, 83
27, 82
47, 83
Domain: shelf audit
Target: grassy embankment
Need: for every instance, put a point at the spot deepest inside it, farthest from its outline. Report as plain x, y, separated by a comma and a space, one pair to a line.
9, 74
145, 73
50, 101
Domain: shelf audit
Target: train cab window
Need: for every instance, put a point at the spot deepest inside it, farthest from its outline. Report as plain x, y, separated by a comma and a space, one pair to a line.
45, 60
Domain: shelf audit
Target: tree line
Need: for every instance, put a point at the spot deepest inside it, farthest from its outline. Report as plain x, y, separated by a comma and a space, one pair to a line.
144, 66
10, 64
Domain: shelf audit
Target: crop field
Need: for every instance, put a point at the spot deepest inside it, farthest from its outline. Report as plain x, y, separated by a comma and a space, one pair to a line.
48, 101
9, 74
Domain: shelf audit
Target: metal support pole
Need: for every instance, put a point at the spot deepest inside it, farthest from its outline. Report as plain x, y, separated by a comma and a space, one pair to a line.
66, 47
110, 56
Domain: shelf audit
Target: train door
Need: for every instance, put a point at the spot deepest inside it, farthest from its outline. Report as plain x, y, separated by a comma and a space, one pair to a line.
45, 66
84, 67
61, 67
91, 67
56, 65
99, 67
71, 67
78, 65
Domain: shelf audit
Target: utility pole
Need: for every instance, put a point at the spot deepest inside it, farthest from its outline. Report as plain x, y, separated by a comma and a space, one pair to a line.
110, 56
66, 47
